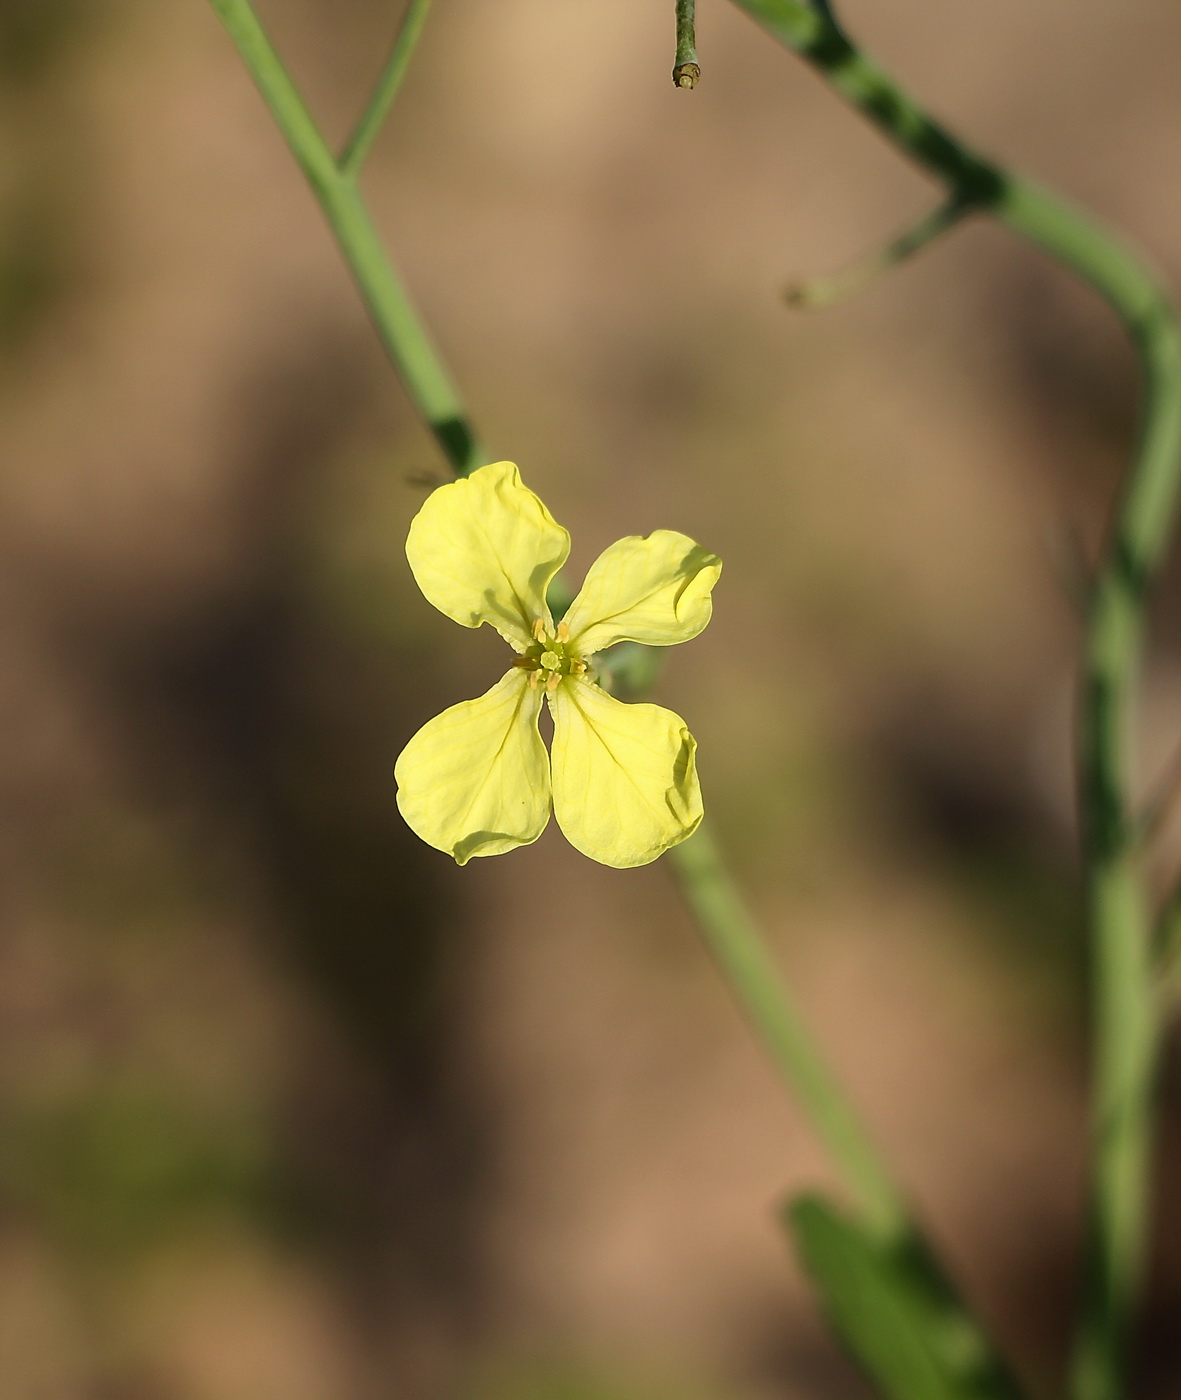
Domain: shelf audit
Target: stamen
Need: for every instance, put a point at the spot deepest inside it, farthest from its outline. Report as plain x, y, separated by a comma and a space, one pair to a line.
563, 631
538, 629
552, 681
534, 678
578, 668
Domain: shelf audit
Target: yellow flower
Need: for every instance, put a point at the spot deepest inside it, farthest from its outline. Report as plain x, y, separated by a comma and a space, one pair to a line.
476, 780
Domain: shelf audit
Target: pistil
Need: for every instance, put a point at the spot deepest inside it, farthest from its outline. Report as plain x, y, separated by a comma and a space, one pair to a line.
548, 661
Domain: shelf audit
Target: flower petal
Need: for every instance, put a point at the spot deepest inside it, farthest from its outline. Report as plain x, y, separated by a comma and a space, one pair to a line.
474, 781
484, 549
653, 589
624, 776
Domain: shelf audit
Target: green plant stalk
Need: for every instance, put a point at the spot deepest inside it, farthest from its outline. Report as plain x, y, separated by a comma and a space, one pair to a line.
815, 292
1126, 1019
415, 357
376, 110
1127, 1007
685, 68
741, 954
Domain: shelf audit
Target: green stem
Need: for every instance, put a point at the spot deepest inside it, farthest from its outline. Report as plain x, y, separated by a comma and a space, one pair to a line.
824, 291
742, 956
1125, 1008
353, 156
685, 70
1126, 1011
401, 330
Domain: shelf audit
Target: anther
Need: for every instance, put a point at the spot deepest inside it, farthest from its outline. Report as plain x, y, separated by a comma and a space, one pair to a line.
563, 631
551, 682
577, 668
538, 629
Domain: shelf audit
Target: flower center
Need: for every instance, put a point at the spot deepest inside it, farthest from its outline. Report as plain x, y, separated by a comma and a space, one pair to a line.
550, 658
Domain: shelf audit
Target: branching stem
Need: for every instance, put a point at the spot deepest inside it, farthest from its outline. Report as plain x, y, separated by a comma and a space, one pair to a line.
824, 291
352, 158
1126, 1019
415, 357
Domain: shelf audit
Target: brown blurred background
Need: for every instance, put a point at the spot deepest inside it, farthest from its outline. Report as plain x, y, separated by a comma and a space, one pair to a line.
290, 1107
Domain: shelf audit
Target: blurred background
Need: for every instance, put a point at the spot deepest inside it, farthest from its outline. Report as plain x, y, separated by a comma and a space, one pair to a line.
291, 1108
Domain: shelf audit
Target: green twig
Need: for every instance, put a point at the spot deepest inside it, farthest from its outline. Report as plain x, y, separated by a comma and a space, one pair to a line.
1126, 1021
824, 291
686, 71
742, 956
409, 346
352, 158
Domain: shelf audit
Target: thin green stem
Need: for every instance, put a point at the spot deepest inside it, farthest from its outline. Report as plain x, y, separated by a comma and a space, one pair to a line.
415, 357
824, 291
1125, 1008
353, 156
1127, 1021
685, 70
742, 956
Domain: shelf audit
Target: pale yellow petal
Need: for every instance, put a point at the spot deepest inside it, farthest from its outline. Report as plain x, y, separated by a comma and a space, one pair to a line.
653, 589
484, 549
624, 776
474, 781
